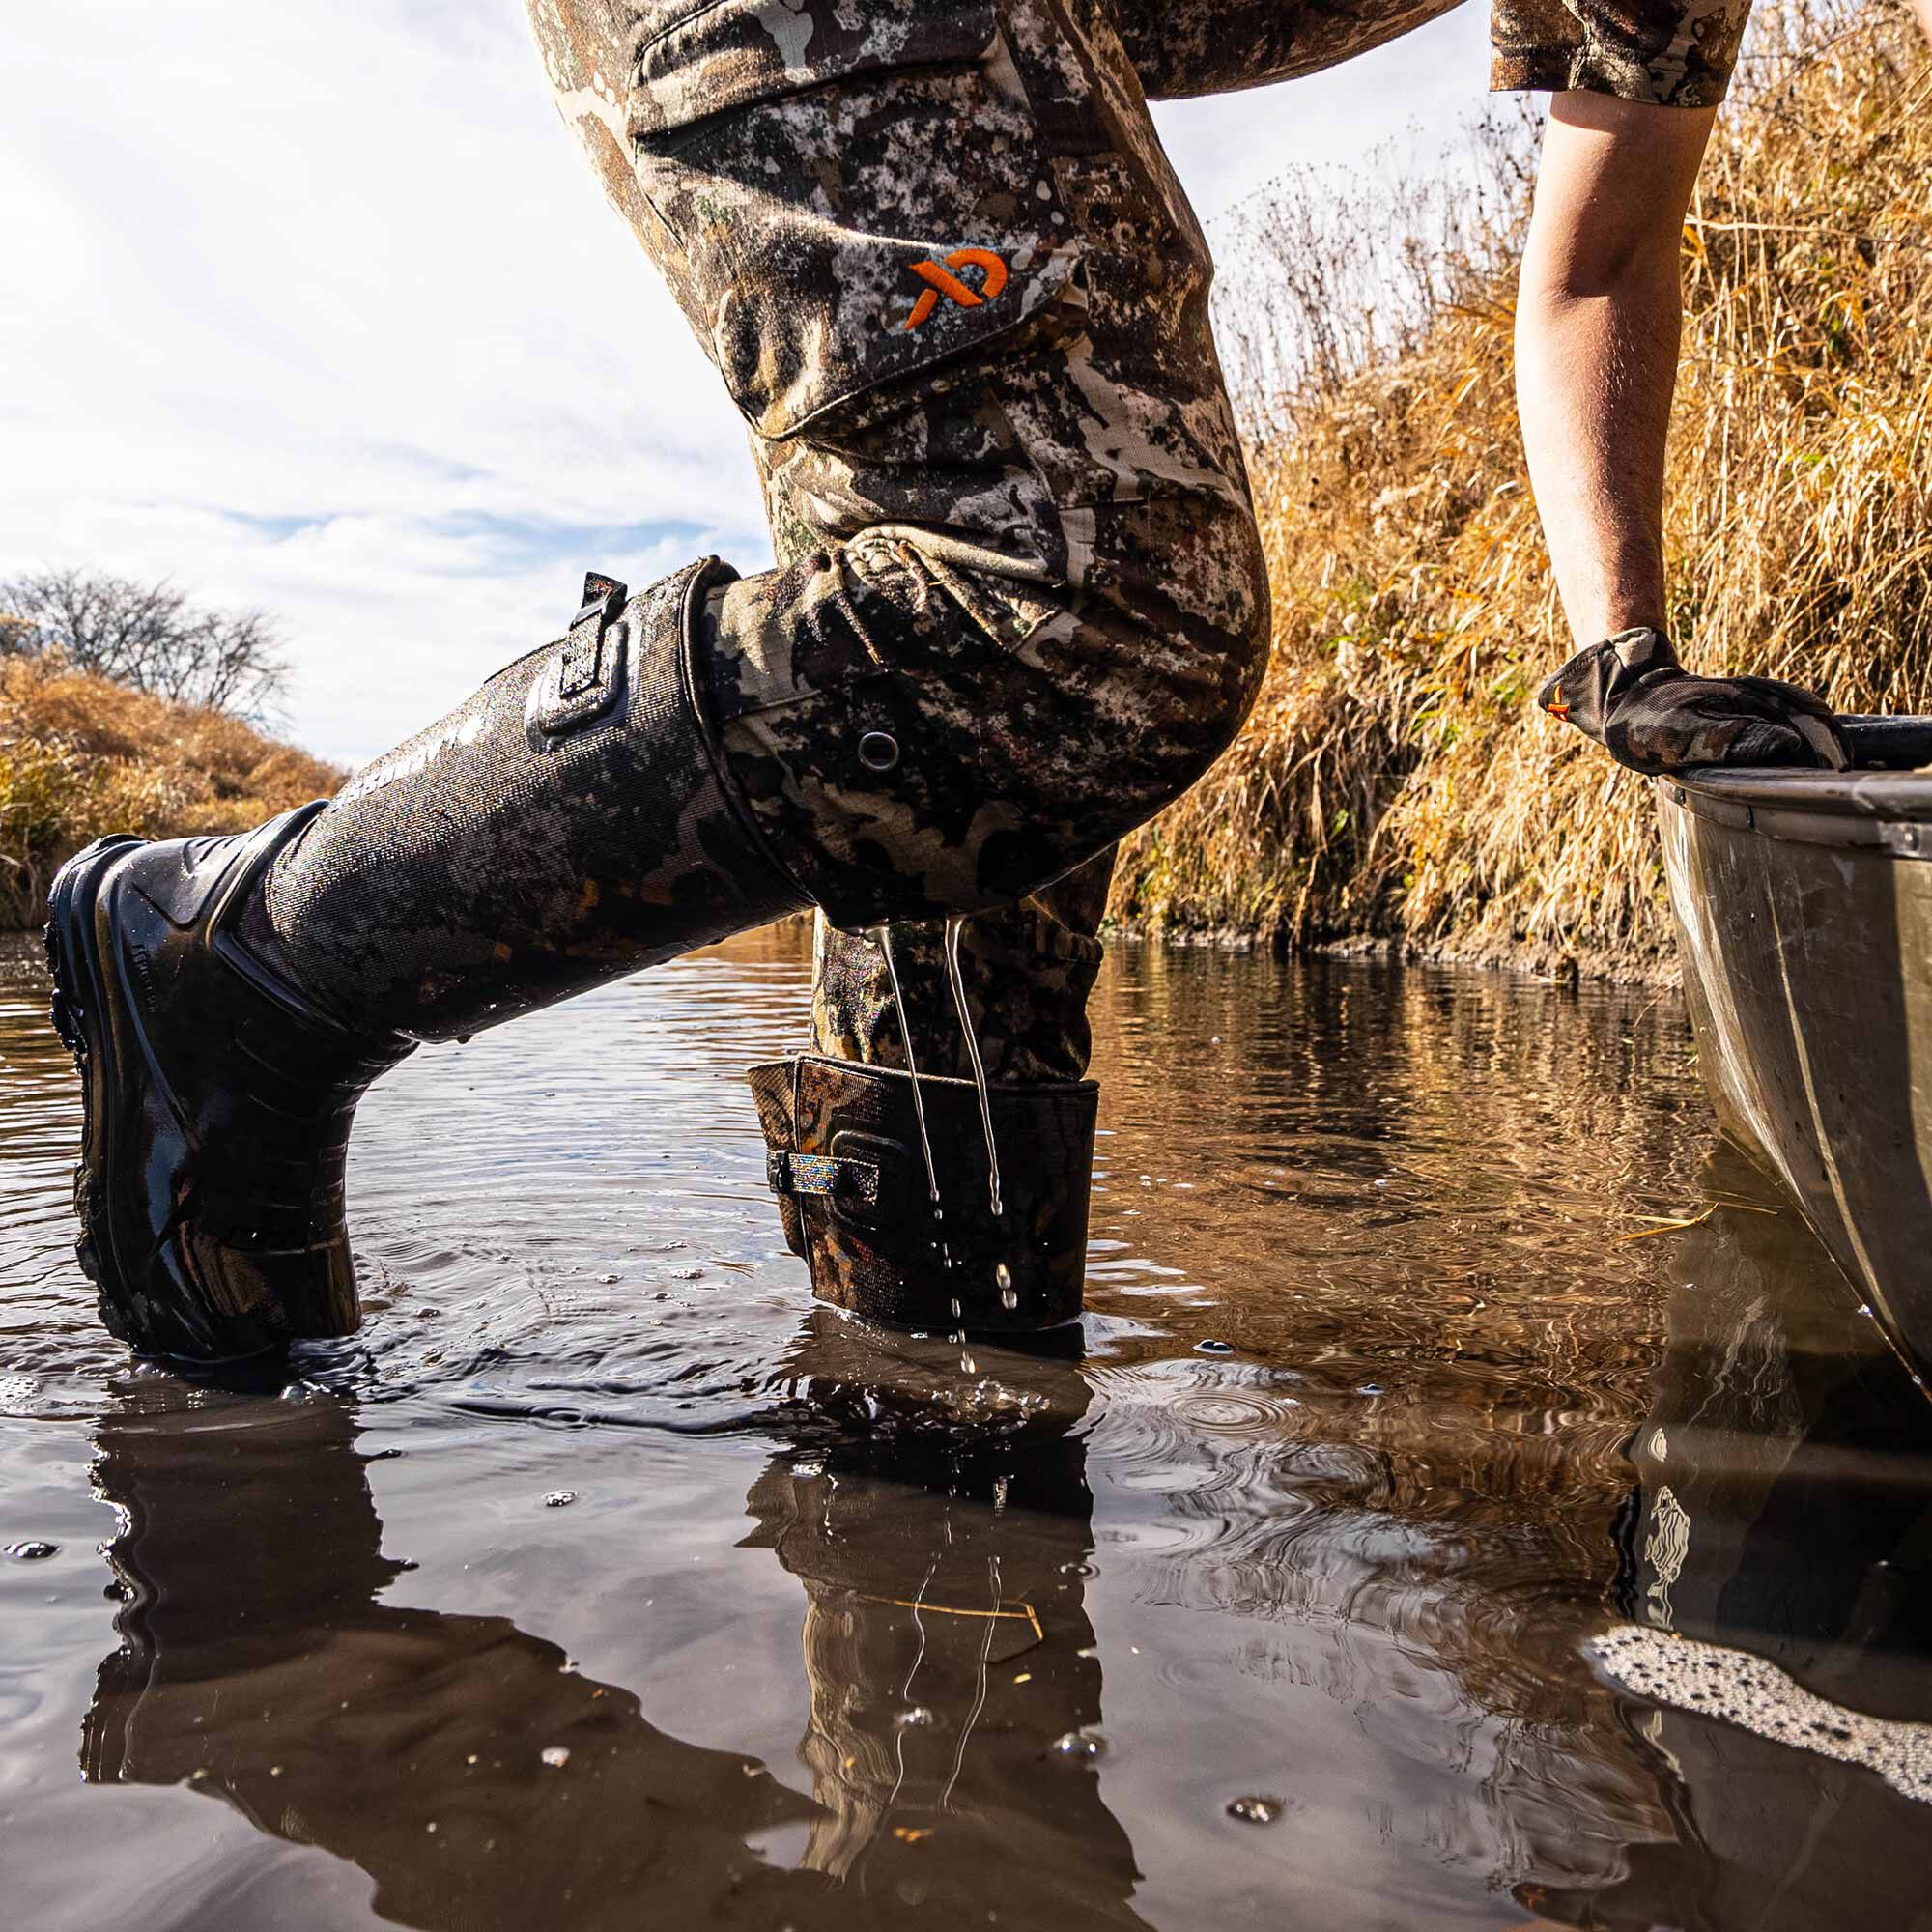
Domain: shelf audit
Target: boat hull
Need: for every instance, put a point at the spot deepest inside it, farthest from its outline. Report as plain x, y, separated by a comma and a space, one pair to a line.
1803, 909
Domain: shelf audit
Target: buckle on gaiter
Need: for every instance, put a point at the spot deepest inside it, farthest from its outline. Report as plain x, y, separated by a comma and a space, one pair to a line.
586, 673
840, 1181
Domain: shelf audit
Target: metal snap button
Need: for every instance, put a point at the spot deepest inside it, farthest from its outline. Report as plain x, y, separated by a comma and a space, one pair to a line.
878, 751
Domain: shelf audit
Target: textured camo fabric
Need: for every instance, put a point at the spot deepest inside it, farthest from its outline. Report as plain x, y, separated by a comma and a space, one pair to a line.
1632, 696
1672, 53
1027, 970
946, 272
1185, 47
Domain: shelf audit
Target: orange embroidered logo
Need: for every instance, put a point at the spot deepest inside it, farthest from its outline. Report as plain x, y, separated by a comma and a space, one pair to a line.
940, 283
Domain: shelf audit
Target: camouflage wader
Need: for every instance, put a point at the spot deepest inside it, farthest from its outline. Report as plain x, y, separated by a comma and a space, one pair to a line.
938, 256
953, 286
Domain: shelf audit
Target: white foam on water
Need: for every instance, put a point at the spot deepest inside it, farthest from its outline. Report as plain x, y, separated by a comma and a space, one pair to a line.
1748, 1692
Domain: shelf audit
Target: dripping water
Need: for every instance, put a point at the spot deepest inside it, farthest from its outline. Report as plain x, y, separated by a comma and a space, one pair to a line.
881, 937
957, 979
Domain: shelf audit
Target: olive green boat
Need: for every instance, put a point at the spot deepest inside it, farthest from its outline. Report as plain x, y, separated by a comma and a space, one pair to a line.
1804, 908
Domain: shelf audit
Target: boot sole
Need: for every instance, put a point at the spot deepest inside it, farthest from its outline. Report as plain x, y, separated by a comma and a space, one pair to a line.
85, 1010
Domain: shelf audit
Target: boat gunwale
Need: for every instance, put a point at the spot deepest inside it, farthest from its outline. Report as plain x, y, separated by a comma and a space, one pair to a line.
1876, 810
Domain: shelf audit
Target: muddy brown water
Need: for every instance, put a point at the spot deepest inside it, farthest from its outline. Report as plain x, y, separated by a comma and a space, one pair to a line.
601, 1581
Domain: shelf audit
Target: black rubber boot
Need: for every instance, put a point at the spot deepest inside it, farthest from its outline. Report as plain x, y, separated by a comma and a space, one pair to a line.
228, 1000
846, 1161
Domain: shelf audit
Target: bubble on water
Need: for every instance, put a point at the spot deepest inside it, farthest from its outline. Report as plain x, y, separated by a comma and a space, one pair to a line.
556, 1756
32, 1550
1214, 1348
916, 1718
809, 1467
559, 1499
1079, 1569
1082, 1747
1368, 1388
608, 1279
1256, 1809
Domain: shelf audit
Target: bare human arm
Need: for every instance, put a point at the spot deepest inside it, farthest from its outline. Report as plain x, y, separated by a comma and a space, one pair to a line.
1599, 316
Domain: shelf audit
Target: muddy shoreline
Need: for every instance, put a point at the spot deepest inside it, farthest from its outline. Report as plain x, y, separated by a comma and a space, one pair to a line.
1547, 964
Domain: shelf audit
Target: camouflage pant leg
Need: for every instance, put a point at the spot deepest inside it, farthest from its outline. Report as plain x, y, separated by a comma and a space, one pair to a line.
1185, 47
1027, 970
1672, 53
952, 284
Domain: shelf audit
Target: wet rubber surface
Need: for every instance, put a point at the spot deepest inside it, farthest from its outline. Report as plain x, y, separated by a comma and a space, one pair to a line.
602, 1581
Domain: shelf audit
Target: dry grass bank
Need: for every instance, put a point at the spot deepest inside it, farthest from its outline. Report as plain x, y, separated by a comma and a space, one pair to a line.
1396, 780
80, 756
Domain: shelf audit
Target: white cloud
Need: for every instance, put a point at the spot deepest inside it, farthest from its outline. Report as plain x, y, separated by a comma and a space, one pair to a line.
316, 306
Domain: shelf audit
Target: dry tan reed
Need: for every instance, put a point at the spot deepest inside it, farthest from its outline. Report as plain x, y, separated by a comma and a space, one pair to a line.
80, 756
1396, 780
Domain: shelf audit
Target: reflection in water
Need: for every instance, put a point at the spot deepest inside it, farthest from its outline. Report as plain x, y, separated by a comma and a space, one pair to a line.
826, 1600
259, 1665
482, 1781
1785, 1511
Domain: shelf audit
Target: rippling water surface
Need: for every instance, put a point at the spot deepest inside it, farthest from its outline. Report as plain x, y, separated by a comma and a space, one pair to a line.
602, 1581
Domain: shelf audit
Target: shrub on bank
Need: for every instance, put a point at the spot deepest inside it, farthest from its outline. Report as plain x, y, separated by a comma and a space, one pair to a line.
81, 756
1396, 780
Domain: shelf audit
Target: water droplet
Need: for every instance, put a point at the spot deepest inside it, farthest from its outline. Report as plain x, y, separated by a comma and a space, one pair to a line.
32, 1550
559, 1499
956, 1308
1081, 1745
1212, 1348
1256, 1810
967, 1365
556, 1756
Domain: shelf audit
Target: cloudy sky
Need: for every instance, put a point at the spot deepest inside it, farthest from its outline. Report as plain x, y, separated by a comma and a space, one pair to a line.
314, 306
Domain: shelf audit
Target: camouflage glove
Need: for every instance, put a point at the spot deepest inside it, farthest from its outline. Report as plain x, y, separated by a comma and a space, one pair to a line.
1634, 698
